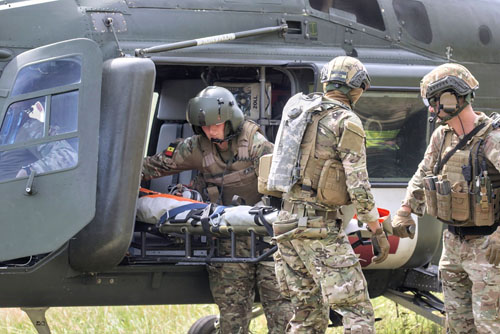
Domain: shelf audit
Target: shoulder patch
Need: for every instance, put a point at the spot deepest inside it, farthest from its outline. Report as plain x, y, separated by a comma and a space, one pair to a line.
169, 151
353, 137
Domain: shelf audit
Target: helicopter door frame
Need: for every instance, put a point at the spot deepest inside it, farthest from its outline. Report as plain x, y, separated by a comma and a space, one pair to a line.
56, 196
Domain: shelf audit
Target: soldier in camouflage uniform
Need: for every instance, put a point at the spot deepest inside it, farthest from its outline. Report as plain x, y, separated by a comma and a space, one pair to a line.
226, 151
458, 182
320, 141
40, 158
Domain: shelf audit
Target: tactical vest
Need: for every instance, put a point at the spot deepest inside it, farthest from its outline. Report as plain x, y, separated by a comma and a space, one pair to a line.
236, 178
468, 186
320, 177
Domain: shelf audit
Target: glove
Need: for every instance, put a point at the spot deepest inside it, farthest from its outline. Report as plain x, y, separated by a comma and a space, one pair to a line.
380, 245
493, 248
403, 225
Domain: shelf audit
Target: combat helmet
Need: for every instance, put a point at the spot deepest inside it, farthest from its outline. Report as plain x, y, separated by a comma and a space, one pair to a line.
345, 74
214, 105
446, 83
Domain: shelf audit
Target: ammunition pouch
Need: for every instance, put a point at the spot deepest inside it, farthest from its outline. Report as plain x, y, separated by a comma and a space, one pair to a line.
483, 214
460, 206
264, 170
444, 206
431, 202
332, 189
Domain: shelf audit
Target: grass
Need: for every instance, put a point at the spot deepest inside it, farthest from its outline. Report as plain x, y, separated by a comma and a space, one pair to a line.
176, 319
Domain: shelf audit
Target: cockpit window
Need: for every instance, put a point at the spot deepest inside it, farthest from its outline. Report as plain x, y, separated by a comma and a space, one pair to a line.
366, 12
25, 121
42, 158
48, 74
20, 117
64, 113
41, 134
413, 17
395, 126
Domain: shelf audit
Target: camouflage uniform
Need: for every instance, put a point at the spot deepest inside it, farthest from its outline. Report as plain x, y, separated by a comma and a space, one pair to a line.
471, 285
319, 273
40, 158
232, 284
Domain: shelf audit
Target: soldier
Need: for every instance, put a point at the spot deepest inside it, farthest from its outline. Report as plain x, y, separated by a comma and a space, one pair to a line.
27, 121
320, 141
458, 181
226, 151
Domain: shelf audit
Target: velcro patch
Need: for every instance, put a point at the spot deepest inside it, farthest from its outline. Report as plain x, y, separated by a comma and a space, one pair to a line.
353, 138
169, 152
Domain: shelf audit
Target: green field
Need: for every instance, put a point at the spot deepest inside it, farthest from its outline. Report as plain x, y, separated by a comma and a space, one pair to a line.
176, 319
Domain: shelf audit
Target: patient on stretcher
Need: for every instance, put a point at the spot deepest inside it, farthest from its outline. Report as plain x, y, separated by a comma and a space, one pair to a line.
178, 212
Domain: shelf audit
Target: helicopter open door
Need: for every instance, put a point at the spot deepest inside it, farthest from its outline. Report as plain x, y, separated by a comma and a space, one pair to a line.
49, 116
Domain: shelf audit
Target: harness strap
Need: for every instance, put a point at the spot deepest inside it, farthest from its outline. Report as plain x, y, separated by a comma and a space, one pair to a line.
180, 209
461, 143
260, 220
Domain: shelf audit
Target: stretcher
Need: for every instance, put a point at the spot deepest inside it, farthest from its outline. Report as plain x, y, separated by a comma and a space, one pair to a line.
177, 214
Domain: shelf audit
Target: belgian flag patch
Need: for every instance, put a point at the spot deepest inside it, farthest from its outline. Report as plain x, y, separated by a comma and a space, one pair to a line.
169, 152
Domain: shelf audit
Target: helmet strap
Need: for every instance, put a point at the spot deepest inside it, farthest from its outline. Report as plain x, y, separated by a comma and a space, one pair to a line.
458, 109
228, 133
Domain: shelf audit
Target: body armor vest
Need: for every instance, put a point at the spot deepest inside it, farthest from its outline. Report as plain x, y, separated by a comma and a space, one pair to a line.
233, 178
468, 187
322, 176
317, 175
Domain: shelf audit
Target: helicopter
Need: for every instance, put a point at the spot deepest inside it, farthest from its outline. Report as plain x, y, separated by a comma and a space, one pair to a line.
88, 88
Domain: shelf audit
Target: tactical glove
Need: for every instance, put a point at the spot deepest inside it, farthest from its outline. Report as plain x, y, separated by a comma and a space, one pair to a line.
380, 245
403, 225
493, 248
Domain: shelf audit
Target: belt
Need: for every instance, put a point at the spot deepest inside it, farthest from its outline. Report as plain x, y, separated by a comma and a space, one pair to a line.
472, 232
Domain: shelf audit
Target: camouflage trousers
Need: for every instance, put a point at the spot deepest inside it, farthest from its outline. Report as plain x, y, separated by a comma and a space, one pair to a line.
321, 273
233, 289
471, 286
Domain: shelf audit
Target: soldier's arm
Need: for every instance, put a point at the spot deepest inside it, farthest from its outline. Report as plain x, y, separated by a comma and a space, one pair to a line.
352, 152
492, 148
177, 157
51, 156
415, 198
260, 146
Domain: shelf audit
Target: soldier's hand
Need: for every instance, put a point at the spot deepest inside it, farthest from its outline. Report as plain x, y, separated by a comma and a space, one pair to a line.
493, 248
403, 225
380, 245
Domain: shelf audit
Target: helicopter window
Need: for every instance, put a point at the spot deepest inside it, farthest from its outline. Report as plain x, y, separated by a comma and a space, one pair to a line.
395, 125
365, 12
42, 158
48, 74
25, 121
413, 17
21, 115
64, 113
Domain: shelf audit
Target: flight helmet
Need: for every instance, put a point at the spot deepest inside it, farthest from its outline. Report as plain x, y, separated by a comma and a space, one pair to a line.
215, 105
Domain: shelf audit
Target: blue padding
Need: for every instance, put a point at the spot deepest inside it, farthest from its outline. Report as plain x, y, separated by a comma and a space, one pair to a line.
174, 212
218, 211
